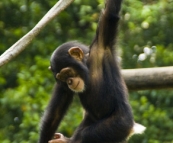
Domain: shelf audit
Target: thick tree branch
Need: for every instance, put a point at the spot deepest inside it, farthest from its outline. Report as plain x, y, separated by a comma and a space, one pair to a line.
149, 78
20, 45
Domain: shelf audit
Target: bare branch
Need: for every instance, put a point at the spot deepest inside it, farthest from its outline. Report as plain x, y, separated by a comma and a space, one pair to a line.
22, 43
148, 78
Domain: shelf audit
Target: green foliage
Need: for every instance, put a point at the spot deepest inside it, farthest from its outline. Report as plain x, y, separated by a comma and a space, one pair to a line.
145, 40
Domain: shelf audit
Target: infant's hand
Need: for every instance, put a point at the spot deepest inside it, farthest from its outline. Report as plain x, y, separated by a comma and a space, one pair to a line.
58, 138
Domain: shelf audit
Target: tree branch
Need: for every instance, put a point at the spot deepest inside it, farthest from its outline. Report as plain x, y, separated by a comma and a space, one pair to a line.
22, 43
148, 78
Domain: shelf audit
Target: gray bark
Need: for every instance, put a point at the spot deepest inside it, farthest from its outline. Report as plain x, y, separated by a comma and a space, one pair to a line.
148, 78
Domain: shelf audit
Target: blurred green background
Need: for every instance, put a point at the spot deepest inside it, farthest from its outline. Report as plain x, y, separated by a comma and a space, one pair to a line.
145, 40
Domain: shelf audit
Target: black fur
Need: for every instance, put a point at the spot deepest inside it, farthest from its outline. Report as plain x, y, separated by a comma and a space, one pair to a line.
62, 95
108, 117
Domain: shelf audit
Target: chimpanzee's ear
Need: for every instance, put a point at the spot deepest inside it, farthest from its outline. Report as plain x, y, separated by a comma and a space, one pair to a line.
76, 53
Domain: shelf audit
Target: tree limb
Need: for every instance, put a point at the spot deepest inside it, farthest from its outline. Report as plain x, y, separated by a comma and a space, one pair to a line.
148, 78
22, 43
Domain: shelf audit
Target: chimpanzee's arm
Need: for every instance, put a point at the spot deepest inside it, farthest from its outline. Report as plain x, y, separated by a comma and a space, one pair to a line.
61, 99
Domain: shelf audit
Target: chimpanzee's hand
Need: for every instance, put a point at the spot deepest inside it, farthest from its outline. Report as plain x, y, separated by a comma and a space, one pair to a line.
59, 138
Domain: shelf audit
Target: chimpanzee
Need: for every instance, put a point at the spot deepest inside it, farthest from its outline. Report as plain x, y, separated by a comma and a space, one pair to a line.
93, 73
67, 67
